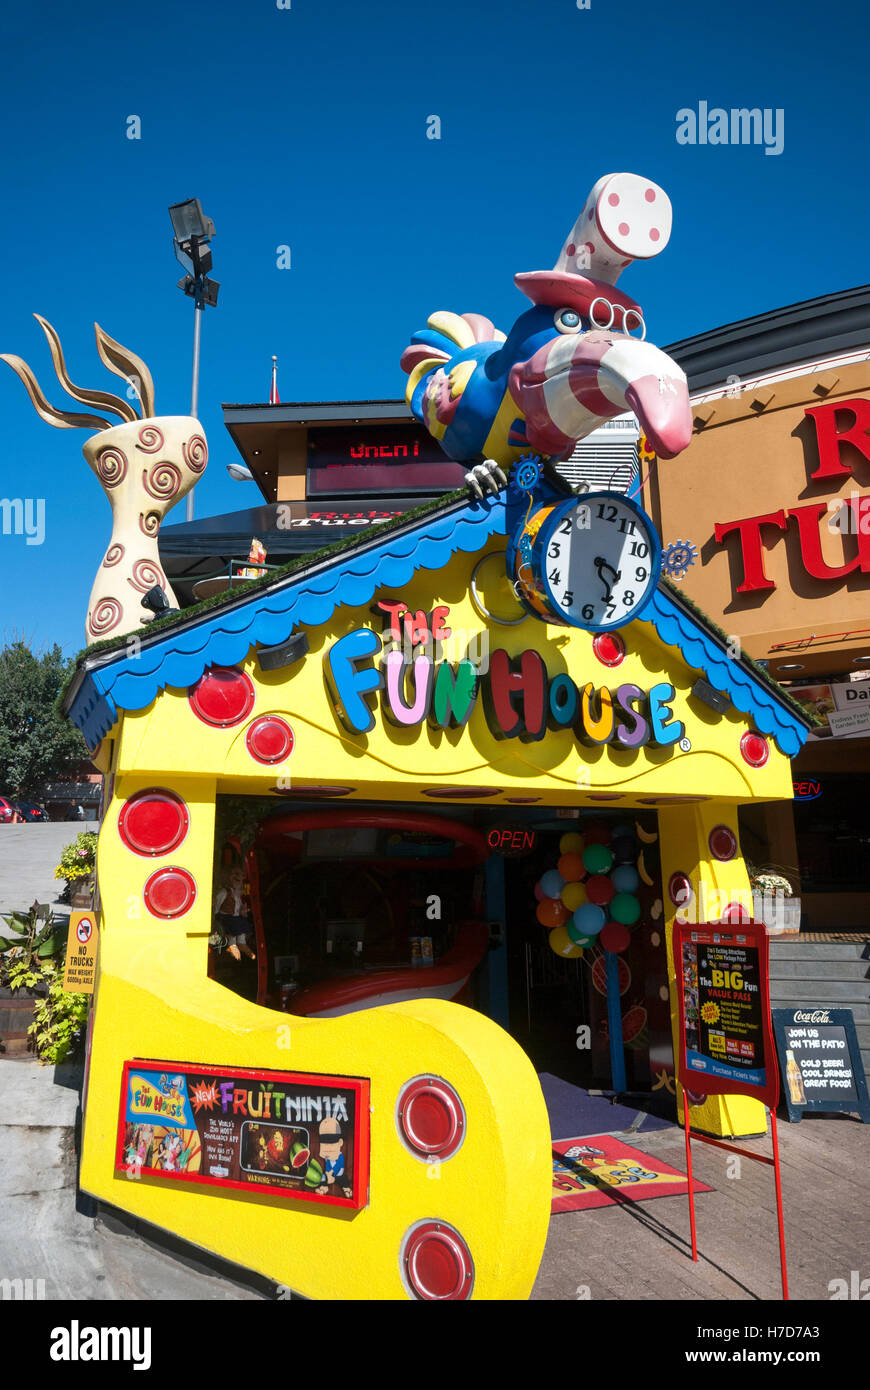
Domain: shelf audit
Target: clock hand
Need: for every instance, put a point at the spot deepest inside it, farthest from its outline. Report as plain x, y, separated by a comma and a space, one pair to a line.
602, 564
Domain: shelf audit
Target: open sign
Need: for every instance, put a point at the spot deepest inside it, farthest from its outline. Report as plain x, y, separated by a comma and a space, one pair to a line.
808, 790
511, 841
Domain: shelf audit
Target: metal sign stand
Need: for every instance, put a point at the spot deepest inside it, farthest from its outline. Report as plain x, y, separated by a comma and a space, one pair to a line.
744, 1153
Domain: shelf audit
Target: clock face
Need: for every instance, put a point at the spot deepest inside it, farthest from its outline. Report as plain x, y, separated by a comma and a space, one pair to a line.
600, 560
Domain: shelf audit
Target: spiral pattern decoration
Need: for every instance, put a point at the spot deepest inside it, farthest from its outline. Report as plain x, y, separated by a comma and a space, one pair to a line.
195, 453
111, 467
162, 480
114, 554
105, 616
144, 575
149, 523
150, 439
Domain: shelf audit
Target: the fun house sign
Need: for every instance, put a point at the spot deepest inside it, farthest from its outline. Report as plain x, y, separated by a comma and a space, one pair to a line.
400, 669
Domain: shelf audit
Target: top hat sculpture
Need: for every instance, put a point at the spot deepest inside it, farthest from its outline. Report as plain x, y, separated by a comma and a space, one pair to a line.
144, 465
576, 359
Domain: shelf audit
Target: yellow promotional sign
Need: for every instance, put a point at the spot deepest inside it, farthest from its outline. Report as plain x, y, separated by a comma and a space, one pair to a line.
81, 953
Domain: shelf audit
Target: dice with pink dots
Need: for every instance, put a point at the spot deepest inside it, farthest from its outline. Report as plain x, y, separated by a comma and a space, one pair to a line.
625, 218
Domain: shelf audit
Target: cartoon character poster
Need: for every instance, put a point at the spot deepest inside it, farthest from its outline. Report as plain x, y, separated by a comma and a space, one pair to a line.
306, 1136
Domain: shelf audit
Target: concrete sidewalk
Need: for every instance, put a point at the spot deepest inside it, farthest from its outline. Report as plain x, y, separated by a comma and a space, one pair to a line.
28, 856
643, 1250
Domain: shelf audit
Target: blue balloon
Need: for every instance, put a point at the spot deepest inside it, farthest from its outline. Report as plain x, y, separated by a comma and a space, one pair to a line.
624, 848
625, 878
589, 919
552, 883
621, 831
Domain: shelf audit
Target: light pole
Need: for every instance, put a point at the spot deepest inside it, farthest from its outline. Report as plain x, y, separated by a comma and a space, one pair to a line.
192, 232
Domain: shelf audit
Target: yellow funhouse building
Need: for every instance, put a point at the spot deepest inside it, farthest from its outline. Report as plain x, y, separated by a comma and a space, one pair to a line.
362, 770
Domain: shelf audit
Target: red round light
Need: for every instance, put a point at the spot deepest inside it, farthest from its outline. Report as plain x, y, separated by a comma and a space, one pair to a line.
222, 697
153, 822
270, 739
680, 889
430, 1117
755, 749
609, 648
170, 892
735, 912
722, 842
437, 1263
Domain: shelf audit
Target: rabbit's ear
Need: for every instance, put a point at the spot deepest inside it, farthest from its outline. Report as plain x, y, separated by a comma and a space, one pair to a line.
126, 364
61, 419
104, 399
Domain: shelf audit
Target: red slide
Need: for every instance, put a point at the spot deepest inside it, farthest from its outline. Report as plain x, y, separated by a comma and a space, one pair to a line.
446, 979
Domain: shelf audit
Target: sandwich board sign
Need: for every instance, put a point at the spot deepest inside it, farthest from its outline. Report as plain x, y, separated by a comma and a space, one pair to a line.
820, 1061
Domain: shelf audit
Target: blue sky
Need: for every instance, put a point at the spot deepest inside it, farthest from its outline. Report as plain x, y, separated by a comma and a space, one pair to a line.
307, 127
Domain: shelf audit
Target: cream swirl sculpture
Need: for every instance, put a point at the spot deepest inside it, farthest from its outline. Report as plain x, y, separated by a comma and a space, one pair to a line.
144, 466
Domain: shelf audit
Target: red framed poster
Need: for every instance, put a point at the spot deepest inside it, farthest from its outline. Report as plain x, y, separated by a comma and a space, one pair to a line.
298, 1134
726, 1036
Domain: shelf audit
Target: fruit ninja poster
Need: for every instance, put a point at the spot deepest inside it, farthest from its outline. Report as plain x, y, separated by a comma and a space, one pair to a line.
723, 1008
305, 1136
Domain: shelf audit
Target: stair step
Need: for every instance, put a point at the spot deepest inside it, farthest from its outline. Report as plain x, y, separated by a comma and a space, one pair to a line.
833, 994
792, 948
815, 969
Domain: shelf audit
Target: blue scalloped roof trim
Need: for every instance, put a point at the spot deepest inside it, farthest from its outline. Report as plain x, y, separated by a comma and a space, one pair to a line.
769, 715
224, 637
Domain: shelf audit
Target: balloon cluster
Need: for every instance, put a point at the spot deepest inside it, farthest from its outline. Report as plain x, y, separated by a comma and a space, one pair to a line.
591, 893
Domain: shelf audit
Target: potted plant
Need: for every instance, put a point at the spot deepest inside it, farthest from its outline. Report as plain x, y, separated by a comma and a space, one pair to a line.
77, 865
774, 900
36, 1013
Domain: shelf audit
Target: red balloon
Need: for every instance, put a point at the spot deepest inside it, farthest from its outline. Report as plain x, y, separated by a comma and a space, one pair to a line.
614, 936
571, 867
600, 889
596, 835
539, 893
552, 912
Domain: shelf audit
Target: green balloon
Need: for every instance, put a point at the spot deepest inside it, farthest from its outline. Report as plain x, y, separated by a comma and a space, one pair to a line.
580, 940
597, 859
624, 908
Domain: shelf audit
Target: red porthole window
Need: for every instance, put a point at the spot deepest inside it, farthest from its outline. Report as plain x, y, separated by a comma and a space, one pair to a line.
222, 697
436, 1263
722, 842
153, 822
680, 889
736, 913
430, 1118
270, 739
755, 749
170, 892
609, 648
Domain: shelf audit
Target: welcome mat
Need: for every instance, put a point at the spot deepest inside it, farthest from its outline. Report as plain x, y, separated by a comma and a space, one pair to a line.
596, 1170
572, 1110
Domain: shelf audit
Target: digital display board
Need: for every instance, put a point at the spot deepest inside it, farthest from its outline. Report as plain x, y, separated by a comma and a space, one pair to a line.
378, 459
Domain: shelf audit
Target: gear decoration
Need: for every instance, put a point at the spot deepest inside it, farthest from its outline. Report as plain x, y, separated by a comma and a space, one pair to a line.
677, 558
646, 454
527, 473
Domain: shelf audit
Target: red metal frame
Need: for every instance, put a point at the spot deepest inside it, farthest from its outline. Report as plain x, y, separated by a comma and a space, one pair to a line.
754, 934
361, 1135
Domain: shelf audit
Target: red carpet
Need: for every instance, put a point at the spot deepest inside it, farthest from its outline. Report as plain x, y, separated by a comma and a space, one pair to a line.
596, 1170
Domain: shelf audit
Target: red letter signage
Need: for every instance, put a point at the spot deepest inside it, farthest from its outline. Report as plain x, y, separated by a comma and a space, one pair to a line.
749, 530
824, 417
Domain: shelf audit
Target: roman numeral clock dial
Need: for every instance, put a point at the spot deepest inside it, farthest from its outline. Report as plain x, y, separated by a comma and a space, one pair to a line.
593, 561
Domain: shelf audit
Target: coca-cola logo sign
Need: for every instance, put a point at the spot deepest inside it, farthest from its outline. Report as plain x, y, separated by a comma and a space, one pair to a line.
817, 1016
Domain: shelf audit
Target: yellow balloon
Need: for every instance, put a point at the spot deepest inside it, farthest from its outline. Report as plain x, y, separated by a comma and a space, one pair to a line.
561, 943
574, 895
572, 843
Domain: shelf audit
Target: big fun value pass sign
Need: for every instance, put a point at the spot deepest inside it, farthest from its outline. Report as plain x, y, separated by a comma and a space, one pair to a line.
726, 1040
297, 1134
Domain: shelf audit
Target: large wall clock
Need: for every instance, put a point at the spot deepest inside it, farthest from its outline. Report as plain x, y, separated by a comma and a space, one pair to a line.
592, 561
